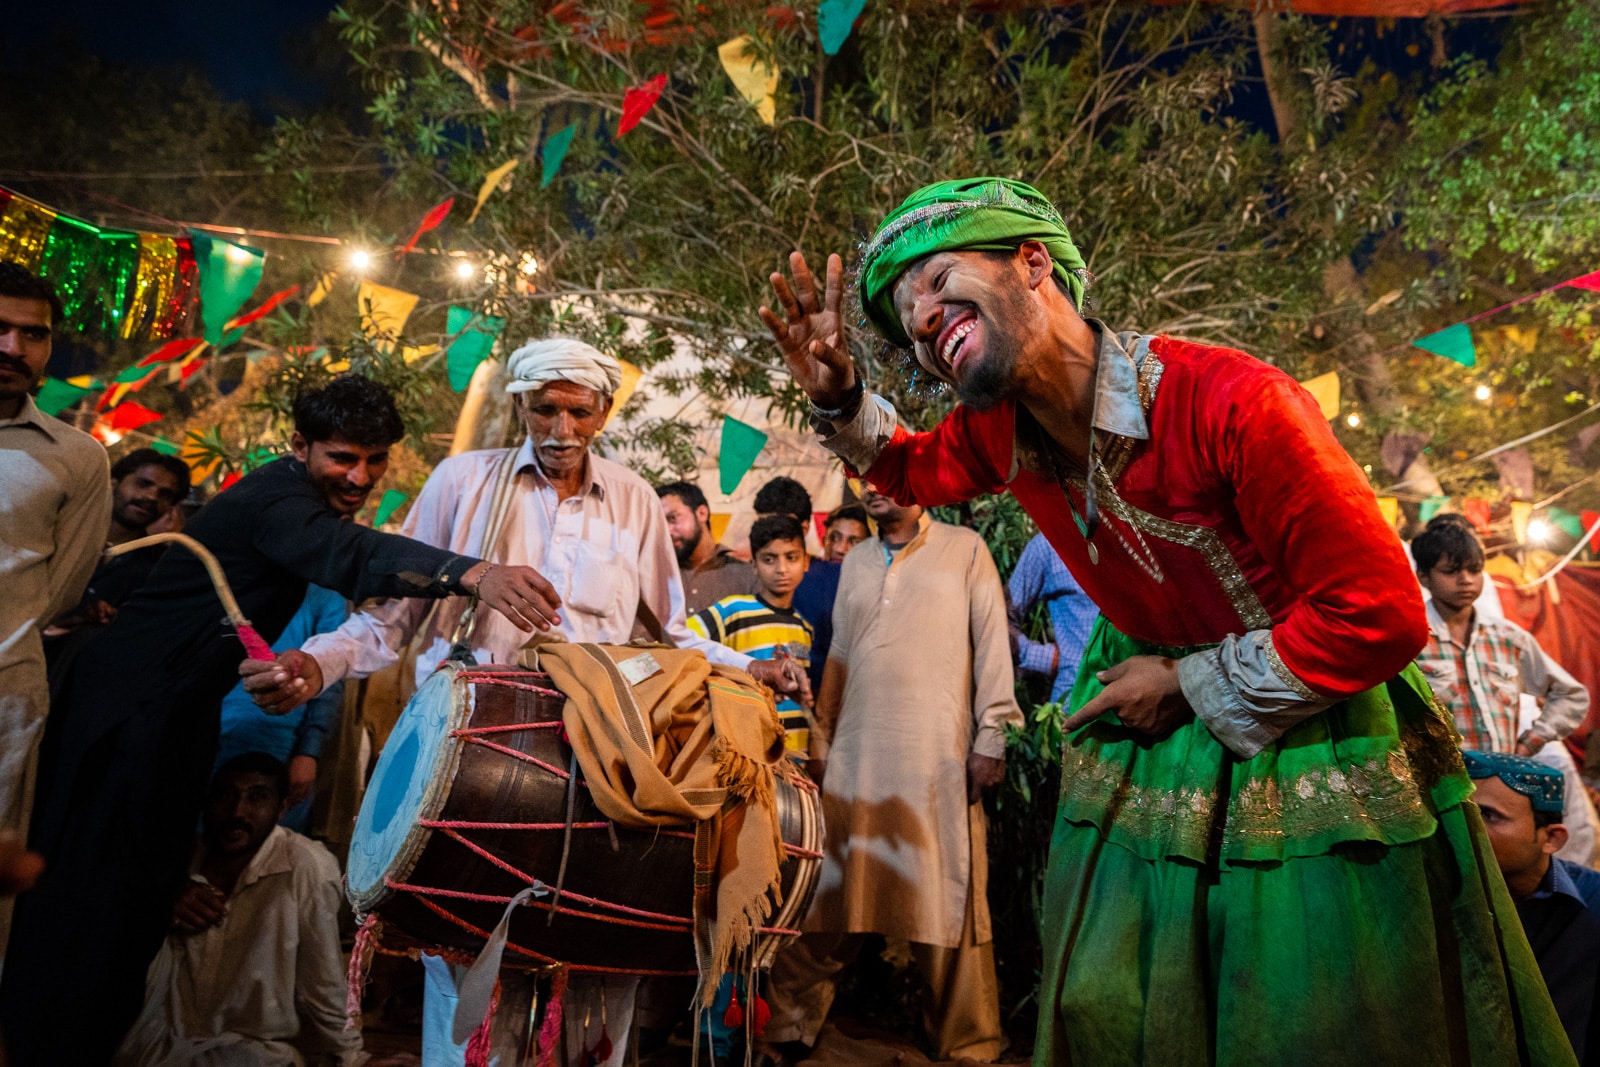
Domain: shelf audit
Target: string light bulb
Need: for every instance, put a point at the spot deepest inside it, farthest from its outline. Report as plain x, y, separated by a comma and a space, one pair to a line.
1352, 420
1483, 392
360, 259
1539, 532
237, 254
464, 270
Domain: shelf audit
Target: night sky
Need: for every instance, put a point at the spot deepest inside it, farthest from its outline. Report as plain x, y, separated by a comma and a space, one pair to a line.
257, 51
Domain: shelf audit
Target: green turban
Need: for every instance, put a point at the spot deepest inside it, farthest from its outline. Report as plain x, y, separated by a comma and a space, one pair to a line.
970, 215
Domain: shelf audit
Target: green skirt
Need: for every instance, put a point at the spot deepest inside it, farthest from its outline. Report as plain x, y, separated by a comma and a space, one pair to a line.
1332, 900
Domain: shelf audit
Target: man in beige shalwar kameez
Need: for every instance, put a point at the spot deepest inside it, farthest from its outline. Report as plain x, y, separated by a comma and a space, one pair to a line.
917, 691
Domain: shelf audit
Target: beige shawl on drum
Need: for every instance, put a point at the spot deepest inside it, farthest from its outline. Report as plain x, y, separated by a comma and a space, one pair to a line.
666, 738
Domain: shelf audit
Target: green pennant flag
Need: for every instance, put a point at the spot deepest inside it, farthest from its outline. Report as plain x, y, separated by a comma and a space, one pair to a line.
835, 20
555, 150
474, 338
229, 273
57, 396
1567, 522
1452, 342
165, 447
1431, 507
392, 499
741, 444
133, 373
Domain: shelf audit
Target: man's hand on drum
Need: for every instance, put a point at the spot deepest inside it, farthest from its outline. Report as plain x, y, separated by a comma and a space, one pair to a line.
1144, 693
281, 685
521, 594
783, 676
198, 908
812, 334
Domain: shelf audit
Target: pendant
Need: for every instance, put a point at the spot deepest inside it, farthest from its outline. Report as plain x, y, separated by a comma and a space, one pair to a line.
1094, 553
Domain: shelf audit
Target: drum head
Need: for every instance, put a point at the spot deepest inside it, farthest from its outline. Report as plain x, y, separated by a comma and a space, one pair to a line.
411, 783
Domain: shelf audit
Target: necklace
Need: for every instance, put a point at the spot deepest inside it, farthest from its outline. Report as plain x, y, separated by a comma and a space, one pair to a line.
1143, 556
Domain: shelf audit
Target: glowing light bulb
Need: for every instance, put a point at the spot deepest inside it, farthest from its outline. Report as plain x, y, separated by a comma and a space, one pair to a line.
464, 270
1353, 420
237, 254
360, 260
1539, 532
1483, 392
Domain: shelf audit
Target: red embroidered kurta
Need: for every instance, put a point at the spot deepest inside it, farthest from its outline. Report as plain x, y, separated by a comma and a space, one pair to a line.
1255, 515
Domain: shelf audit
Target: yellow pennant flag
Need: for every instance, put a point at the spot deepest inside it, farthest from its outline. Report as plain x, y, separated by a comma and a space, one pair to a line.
384, 312
1324, 389
1521, 512
324, 286
630, 382
491, 182
411, 355
754, 80
719, 524
1390, 508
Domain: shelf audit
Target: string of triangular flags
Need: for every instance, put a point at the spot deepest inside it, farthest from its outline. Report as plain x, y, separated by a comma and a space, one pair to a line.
1455, 342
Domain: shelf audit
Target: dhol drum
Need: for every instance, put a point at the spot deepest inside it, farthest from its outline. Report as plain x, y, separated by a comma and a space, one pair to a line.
469, 805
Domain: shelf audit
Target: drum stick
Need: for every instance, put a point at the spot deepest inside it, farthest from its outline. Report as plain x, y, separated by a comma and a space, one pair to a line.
254, 646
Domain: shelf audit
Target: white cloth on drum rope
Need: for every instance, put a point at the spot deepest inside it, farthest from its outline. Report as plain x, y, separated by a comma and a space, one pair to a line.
562, 359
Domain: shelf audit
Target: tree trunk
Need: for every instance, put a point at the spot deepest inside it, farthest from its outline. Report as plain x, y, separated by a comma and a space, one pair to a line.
486, 413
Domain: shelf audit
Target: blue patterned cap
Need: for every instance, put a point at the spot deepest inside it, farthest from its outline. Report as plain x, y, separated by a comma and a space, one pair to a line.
1540, 783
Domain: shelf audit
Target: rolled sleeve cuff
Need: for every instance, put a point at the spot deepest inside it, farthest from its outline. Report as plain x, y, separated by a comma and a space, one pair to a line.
859, 438
1035, 657
1244, 694
990, 741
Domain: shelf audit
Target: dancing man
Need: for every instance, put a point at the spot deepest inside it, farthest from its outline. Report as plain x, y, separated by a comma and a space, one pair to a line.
1264, 851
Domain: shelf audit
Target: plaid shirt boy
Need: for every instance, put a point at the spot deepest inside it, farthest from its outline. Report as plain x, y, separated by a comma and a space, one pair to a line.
1482, 683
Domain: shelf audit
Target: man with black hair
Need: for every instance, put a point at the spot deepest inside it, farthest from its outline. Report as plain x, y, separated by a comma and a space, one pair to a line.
52, 525
250, 974
129, 749
710, 570
1558, 901
845, 528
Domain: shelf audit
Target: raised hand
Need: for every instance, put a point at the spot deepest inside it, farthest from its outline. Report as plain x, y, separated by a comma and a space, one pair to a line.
812, 334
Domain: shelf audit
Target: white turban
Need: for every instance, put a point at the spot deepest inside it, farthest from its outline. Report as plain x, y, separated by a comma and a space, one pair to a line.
562, 359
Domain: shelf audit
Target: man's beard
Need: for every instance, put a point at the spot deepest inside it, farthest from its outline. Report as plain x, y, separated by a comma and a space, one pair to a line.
686, 550
994, 377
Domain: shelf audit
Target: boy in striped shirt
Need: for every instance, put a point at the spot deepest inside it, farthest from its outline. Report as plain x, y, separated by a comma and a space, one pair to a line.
765, 625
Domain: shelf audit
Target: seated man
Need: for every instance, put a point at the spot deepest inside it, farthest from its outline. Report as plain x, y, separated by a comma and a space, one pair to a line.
1558, 901
251, 972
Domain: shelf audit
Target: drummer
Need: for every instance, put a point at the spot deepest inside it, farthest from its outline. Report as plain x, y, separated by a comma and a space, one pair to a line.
592, 527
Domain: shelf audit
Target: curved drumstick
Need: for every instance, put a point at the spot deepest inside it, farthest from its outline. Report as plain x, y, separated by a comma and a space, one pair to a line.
254, 646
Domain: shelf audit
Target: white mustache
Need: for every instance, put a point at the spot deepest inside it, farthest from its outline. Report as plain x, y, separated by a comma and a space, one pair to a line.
561, 442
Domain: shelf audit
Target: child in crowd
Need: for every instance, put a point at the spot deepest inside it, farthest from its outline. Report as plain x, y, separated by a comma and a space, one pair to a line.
1479, 668
765, 625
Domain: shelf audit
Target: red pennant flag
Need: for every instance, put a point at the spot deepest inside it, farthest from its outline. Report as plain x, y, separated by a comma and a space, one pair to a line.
1589, 519
172, 350
111, 397
435, 215
1587, 281
130, 416
637, 102
1477, 512
188, 370
268, 304
229, 479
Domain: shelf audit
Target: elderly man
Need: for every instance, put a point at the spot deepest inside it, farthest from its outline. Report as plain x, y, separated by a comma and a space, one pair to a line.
1253, 765
593, 528
917, 716
53, 509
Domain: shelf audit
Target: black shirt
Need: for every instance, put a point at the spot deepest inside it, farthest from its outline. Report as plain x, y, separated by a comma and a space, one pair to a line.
1562, 921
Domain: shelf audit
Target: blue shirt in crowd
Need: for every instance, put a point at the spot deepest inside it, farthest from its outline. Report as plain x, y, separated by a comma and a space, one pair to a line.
1562, 921
303, 731
1041, 576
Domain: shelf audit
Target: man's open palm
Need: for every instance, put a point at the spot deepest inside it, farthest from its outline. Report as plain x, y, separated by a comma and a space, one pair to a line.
812, 334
